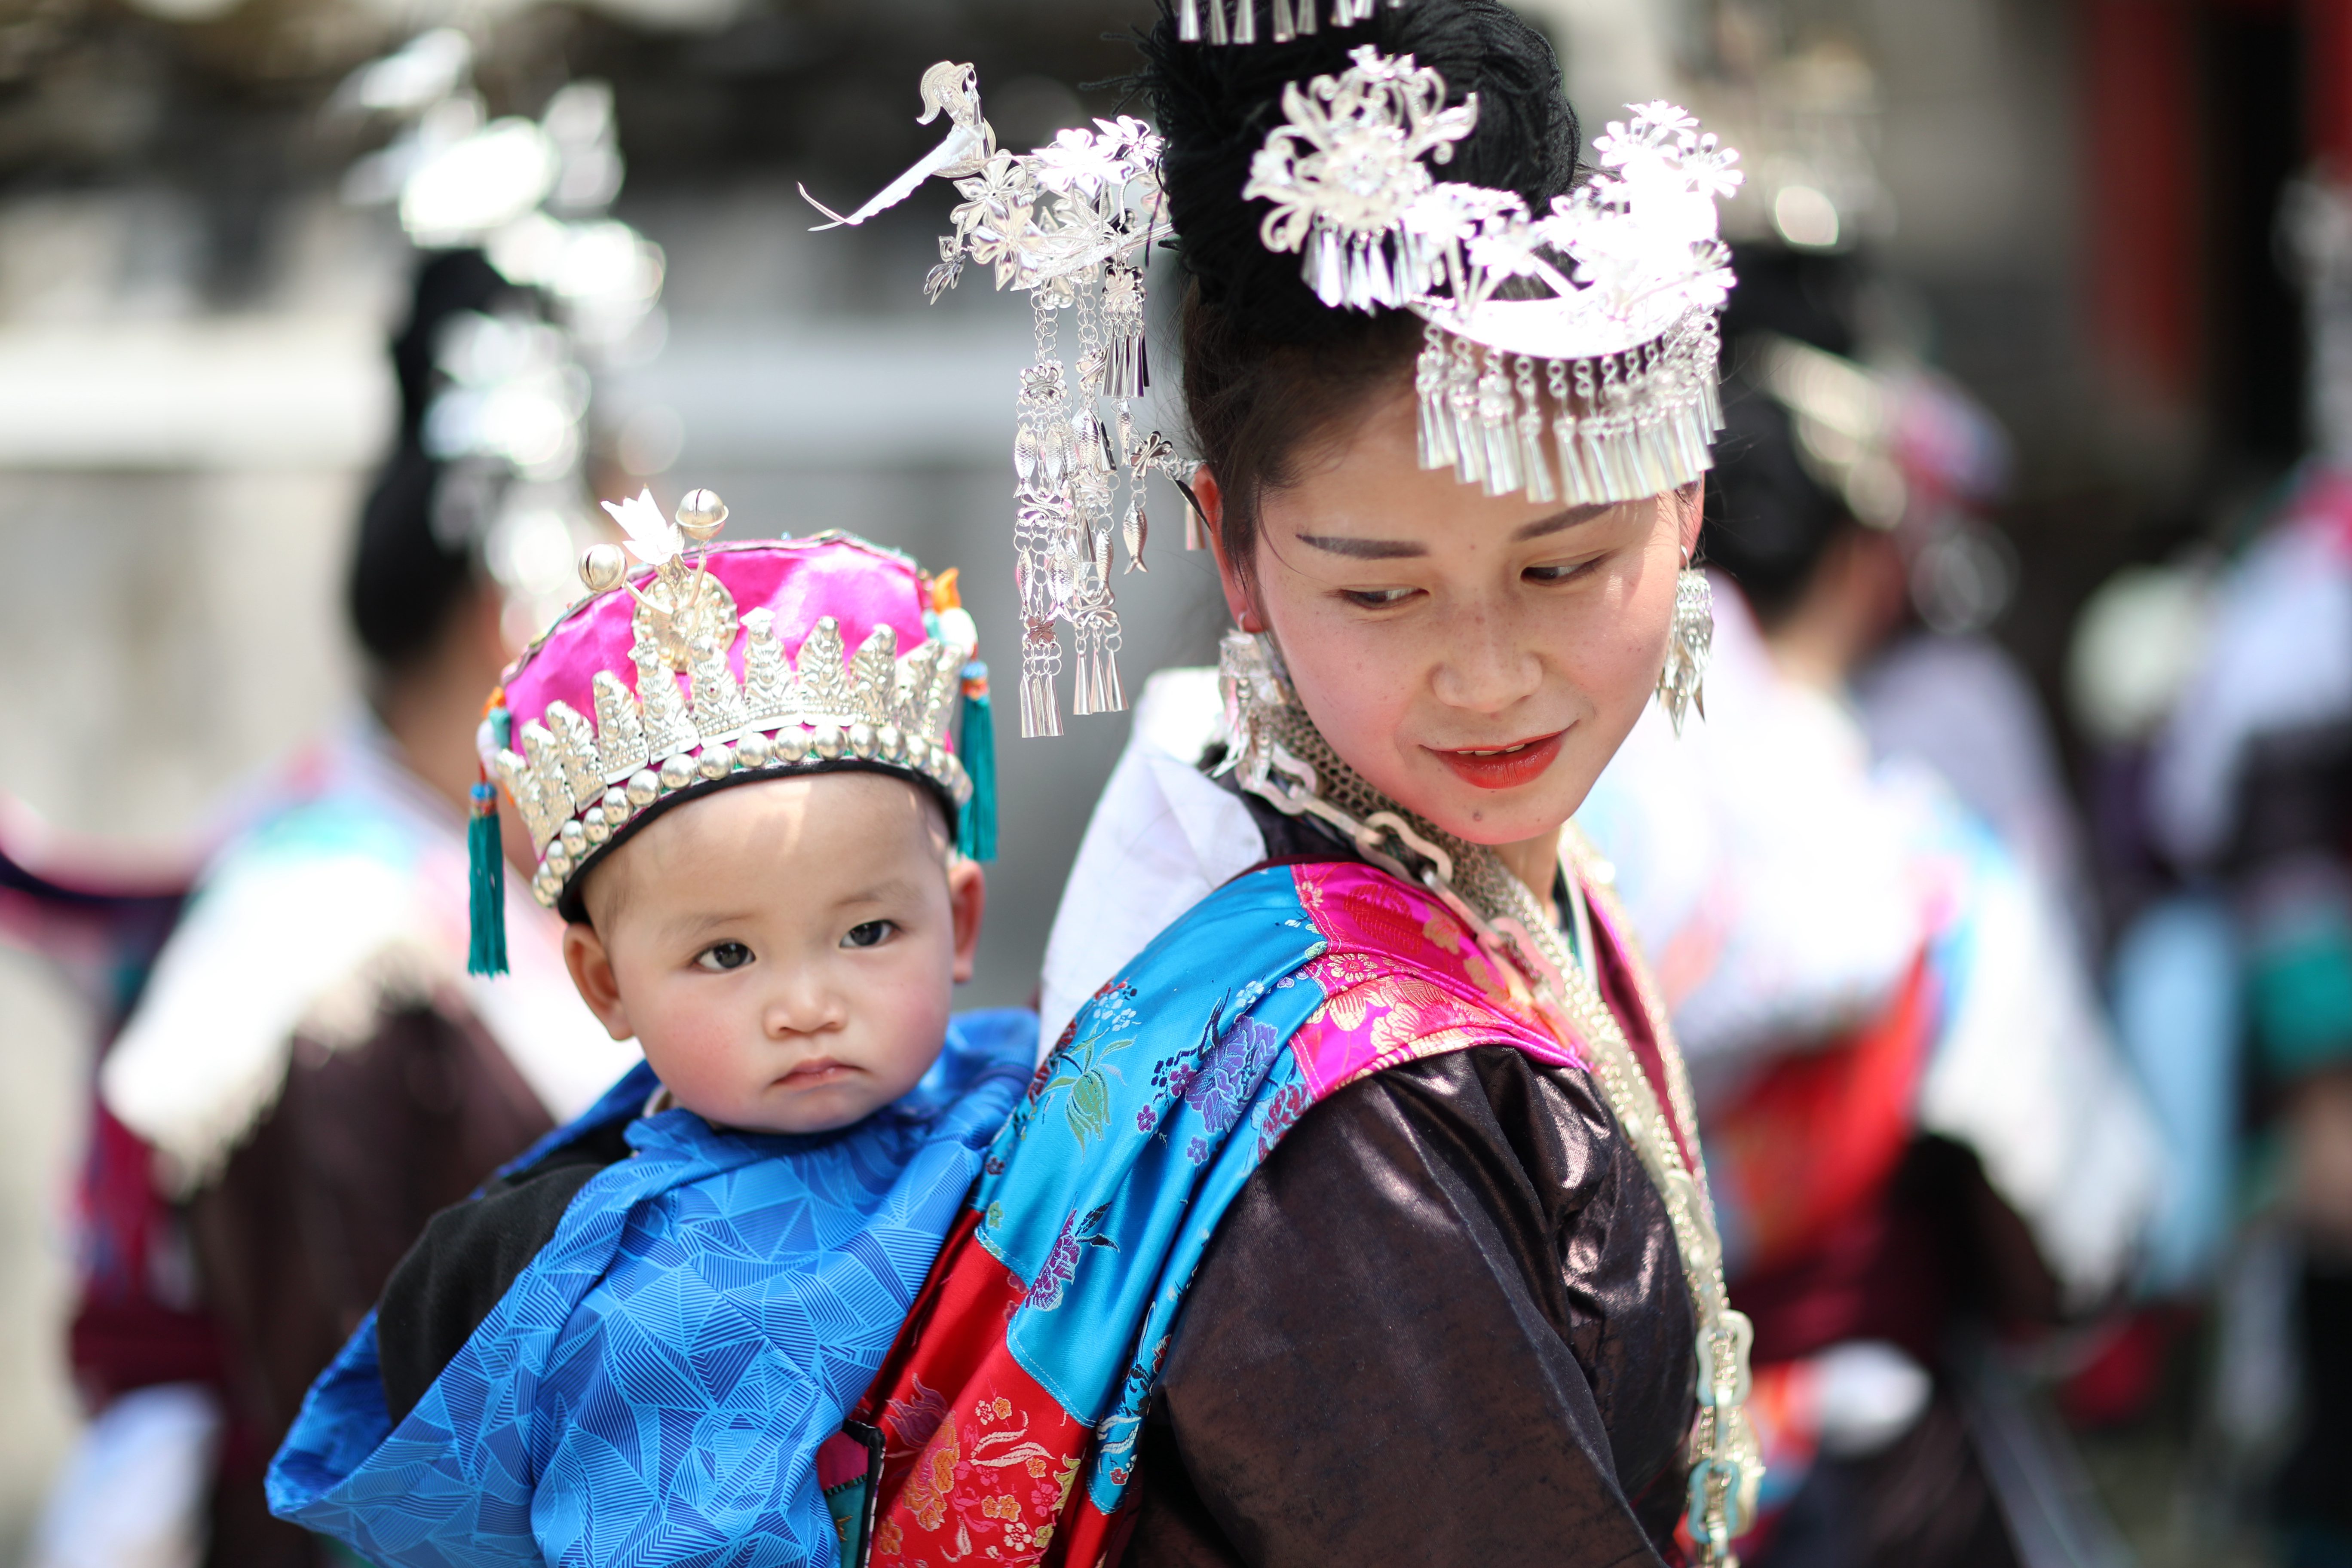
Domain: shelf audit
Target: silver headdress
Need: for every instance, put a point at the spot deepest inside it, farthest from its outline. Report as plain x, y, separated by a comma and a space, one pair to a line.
1071, 224
1599, 313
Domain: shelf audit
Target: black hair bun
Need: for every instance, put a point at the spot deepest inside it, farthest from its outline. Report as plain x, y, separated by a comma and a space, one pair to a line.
414, 558
1214, 104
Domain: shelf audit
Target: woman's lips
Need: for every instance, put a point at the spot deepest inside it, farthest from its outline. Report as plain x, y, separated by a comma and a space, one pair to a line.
1503, 768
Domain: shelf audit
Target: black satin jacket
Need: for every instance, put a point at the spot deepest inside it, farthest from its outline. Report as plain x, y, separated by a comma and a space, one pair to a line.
1445, 1323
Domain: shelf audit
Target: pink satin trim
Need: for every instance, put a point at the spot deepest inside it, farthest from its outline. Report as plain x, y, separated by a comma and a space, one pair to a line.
1404, 978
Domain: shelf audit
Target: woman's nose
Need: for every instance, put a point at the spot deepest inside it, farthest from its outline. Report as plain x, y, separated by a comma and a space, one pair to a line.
1485, 666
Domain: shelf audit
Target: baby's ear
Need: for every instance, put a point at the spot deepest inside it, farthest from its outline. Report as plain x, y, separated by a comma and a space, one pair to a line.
592, 976
967, 902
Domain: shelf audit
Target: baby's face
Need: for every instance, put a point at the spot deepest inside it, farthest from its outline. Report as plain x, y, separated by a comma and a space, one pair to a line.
783, 951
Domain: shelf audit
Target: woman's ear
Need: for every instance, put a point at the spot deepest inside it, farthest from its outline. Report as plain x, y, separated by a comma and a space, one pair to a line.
592, 977
967, 902
1211, 497
1692, 501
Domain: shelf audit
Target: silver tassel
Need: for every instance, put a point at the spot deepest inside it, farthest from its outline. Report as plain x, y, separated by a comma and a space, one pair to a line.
1041, 661
1246, 21
1497, 432
1618, 482
1217, 34
1307, 18
1326, 265
1593, 451
1649, 451
1497, 429
1429, 382
1285, 27
1188, 22
1082, 677
1574, 487
1534, 472
1109, 696
1461, 403
1127, 373
1043, 457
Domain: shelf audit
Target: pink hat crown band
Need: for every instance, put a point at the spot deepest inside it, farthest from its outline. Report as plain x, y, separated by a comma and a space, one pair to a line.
688, 687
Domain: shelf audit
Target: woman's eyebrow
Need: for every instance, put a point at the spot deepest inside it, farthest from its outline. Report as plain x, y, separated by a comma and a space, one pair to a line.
1365, 549
1404, 549
1559, 520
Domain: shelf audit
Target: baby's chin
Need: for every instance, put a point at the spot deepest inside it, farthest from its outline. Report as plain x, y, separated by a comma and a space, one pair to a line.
825, 1107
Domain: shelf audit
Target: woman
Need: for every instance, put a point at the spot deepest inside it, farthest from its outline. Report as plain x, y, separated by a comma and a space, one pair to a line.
1358, 1218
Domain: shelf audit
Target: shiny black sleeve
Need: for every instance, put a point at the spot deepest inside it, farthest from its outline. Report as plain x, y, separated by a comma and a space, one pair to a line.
1443, 1324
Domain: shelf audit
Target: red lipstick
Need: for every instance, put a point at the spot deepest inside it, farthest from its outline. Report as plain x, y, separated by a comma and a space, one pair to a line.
1503, 768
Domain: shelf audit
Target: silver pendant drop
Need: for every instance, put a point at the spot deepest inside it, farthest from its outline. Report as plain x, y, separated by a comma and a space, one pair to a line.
1682, 683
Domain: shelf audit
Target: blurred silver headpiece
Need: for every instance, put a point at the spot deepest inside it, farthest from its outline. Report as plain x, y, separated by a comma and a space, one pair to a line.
535, 195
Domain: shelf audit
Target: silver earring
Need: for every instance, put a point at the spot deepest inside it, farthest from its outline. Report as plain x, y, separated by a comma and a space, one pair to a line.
1682, 683
1255, 684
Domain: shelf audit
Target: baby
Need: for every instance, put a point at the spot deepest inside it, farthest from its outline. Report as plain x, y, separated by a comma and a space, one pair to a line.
645, 1335
782, 951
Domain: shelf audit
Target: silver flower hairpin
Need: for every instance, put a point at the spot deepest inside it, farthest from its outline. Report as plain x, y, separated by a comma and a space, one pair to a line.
1072, 225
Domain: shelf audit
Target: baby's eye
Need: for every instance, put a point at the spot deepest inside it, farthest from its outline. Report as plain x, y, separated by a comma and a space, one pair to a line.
724, 955
1377, 598
871, 934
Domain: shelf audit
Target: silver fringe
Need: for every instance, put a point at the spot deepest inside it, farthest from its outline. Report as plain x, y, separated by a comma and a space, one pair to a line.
1624, 425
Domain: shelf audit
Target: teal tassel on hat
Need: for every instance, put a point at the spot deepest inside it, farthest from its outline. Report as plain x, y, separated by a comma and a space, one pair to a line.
976, 750
485, 868
486, 883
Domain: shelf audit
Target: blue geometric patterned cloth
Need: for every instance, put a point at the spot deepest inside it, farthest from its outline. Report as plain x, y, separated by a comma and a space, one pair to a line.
654, 1386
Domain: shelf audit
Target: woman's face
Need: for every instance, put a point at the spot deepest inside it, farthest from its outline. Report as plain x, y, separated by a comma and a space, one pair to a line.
1478, 660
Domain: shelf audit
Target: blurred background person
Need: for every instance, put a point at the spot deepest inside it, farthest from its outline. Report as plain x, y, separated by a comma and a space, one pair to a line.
2219, 687
309, 1072
1921, 1133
